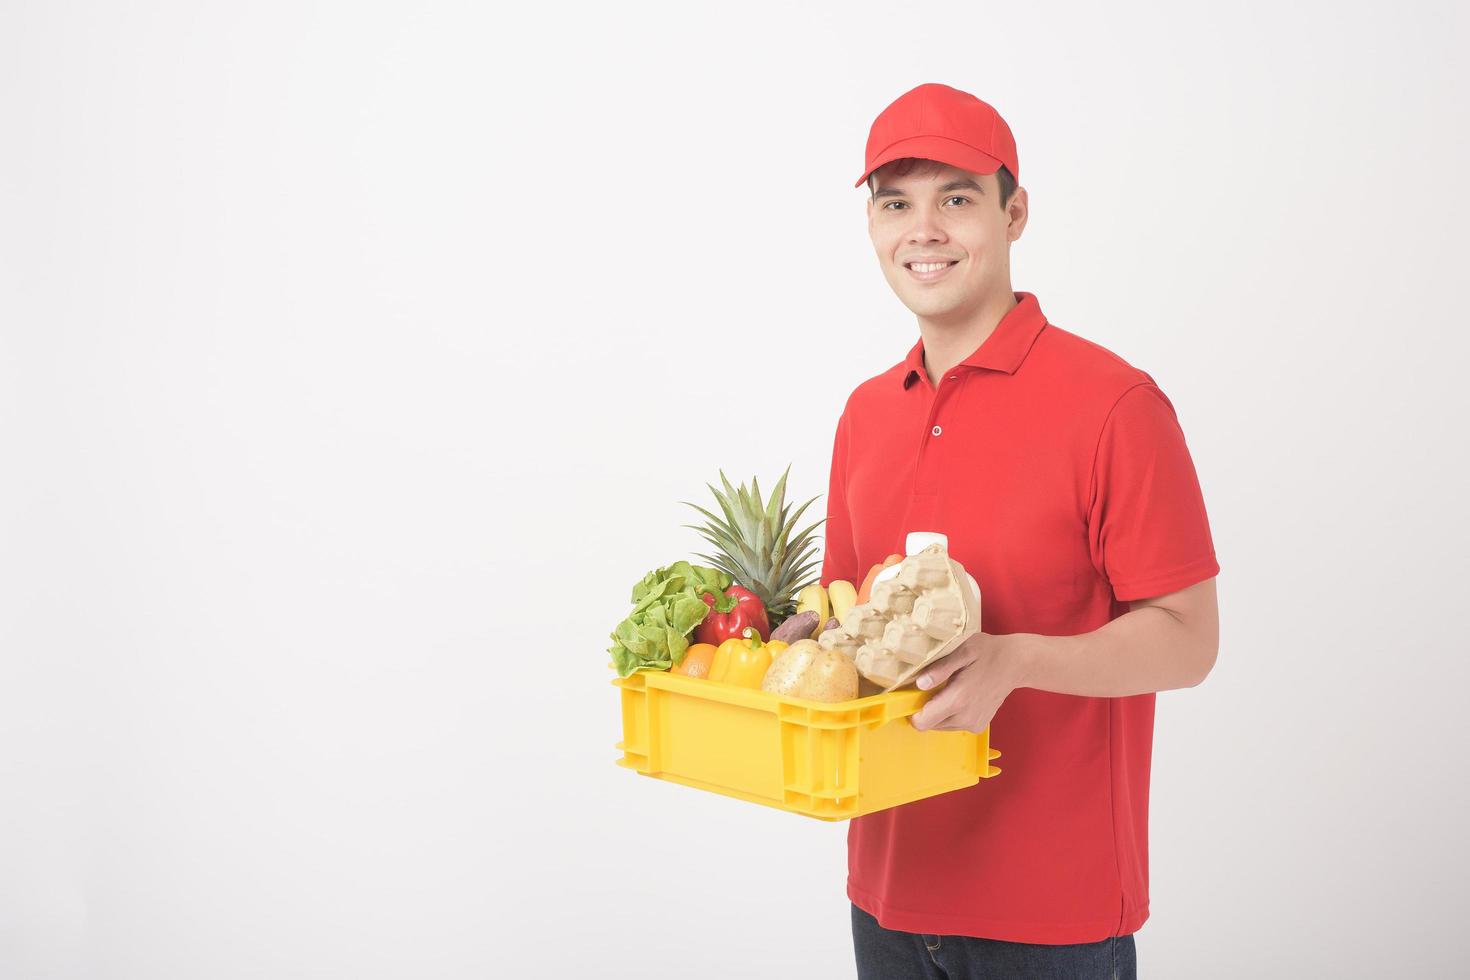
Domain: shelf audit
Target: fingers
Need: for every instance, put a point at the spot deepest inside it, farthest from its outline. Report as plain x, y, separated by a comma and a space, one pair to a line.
935, 712
943, 668
954, 721
928, 721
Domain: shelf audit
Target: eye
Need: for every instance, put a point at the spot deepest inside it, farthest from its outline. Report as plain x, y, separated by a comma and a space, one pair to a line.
956, 197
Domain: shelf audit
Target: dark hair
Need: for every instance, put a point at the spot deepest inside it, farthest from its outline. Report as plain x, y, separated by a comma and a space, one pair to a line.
904, 165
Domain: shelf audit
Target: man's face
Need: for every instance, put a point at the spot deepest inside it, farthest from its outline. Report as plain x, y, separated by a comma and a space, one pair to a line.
941, 213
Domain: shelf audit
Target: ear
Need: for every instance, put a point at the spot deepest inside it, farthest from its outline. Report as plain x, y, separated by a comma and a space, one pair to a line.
1018, 209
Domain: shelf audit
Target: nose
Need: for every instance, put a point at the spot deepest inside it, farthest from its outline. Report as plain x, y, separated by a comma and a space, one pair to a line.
925, 227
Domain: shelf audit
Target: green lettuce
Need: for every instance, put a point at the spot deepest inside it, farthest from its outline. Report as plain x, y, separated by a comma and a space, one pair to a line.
666, 608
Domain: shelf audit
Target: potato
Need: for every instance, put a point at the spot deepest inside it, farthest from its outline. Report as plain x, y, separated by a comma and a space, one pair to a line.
807, 670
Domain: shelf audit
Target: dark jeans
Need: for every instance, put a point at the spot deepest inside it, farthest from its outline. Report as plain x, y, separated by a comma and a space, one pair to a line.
884, 954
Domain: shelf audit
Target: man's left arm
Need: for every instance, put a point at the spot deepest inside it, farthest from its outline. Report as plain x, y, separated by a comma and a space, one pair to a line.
1161, 644
1146, 529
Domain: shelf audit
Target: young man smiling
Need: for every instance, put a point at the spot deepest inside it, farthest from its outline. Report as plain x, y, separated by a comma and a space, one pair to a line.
1061, 476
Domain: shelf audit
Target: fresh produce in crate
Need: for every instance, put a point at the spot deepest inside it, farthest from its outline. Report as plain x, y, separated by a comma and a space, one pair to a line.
729, 615
843, 597
668, 606
807, 670
802, 626
814, 599
743, 661
697, 661
797, 726
864, 589
756, 545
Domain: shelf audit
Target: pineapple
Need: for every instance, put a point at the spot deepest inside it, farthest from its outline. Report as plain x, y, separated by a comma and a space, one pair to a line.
755, 546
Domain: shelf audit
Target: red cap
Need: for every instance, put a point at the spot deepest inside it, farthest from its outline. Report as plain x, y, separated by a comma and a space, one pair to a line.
940, 123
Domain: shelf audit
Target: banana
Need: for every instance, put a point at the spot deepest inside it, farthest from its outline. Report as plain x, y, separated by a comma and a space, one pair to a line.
843, 597
813, 598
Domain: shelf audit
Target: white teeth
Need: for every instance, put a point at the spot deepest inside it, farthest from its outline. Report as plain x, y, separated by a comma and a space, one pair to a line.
930, 266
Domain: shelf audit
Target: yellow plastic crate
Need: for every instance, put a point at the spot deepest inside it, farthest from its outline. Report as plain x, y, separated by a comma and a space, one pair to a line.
829, 761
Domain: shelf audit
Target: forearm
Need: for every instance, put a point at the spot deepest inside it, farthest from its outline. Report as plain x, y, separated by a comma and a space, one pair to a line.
1146, 649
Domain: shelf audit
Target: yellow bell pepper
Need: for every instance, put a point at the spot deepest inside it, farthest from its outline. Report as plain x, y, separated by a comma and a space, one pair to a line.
744, 661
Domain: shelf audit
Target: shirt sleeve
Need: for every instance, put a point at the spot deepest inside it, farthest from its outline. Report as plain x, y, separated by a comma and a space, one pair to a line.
1148, 533
839, 553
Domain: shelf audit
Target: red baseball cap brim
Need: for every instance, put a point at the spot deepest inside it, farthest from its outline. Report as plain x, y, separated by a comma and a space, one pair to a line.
939, 148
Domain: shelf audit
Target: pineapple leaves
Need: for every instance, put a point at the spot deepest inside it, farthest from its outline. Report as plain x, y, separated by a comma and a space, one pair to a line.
777, 496
756, 544
724, 503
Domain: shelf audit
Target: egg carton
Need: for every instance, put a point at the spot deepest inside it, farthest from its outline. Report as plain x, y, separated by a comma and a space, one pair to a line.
919, 610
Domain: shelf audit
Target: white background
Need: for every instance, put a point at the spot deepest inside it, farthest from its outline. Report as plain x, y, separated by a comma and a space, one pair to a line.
356, 359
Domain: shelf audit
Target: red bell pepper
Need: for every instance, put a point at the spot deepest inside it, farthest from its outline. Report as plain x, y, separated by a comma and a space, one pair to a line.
730, 614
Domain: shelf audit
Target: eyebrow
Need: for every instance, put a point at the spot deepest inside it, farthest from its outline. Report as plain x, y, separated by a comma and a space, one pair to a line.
954, 185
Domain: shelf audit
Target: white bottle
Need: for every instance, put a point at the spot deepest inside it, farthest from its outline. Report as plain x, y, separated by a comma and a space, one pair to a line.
917, 541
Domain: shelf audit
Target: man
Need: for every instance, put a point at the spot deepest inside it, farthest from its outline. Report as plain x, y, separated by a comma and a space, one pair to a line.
1061, 477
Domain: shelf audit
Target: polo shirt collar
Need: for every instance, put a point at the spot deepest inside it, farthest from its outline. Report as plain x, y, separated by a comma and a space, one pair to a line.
1005, 348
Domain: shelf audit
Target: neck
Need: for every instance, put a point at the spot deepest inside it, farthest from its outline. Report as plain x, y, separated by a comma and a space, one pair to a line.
947, 341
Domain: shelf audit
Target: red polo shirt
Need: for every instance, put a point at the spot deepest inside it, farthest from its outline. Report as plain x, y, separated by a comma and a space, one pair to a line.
1061, 476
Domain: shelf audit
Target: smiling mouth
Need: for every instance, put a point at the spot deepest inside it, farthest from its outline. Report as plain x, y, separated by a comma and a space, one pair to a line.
925, 271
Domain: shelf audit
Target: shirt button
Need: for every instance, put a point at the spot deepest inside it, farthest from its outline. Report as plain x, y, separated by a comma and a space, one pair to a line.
936, 430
